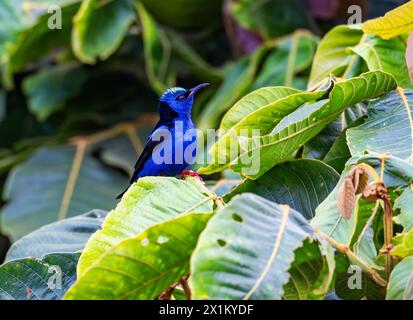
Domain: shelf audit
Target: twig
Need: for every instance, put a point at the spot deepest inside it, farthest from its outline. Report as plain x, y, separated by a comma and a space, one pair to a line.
167, 294
185, 286
351, 255
387, 222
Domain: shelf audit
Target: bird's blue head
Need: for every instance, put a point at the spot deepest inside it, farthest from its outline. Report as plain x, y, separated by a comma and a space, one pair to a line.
178, 101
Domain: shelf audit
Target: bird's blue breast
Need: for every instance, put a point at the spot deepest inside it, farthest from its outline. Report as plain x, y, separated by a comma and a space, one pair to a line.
175, 153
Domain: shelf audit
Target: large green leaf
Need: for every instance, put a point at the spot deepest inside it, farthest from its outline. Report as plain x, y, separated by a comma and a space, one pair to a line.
258, 154
405, 204
262, 110
291, 56
239, 77
319, 146
379, 54
332, 56
394, 23
148, 202
99, 28
48, 90
399, 280
56, 183
65, 236
247, 250
339, 153
142, 267
38, 279
301, 184
340, 51
37, 39
389, 127
158, 51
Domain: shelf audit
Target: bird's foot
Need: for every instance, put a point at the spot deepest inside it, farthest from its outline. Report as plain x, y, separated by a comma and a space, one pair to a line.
190, 173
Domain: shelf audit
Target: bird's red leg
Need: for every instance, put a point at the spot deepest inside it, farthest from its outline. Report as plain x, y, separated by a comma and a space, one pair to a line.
190, 173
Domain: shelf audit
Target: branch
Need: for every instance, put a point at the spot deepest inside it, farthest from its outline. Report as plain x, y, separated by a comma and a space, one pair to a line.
351, 255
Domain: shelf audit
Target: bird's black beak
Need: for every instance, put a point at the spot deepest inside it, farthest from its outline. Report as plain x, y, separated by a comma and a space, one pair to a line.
194, 90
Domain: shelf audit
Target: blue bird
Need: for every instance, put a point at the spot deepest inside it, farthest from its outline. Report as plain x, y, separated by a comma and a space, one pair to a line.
175, 120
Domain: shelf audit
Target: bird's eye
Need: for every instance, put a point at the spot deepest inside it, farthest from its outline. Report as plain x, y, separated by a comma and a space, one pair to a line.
181, 97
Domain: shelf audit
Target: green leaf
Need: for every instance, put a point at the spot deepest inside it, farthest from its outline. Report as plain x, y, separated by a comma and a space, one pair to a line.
389, 127
399, 279
158, 51
28, 278
394, 23
148, 202
56, 183
405, 204
64, 236
258, 154
99, 28
291, 56
48, 90
247, 250
340, 51
350, 284
332, 56
271, 18
404, 247
364, 246
262, 109
142, 267
238, 80
37, 40
380, 55
408, 292
301, 184
339, 152
11, 23
318, 147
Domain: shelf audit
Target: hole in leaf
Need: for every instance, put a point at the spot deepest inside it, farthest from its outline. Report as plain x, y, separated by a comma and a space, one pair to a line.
222, 243
237, 217
162, 239
145, 242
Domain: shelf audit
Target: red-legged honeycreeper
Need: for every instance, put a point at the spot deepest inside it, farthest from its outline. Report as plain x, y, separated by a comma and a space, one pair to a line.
171, 146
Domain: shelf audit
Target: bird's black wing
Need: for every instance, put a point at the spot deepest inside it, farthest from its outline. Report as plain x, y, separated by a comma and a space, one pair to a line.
144, 156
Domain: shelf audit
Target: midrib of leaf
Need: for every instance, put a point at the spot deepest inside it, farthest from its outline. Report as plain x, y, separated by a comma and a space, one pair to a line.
354, 58
81, 145
375, 53
71, 182
400, 91
277, 243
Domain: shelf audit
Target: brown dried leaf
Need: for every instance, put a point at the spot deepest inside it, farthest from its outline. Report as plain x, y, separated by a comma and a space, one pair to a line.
346, 199
363, 180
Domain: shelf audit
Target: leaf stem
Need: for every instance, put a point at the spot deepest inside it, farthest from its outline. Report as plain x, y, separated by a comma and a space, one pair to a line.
352, 256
